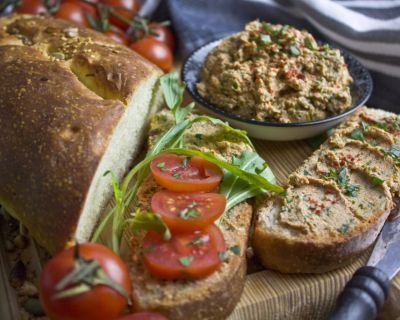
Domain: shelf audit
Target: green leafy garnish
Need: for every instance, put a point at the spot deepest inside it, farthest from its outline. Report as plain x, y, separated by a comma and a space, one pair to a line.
264, 38
352, 190
161, 165
342, 177
222, 255
176, 175
394, 151
310, 44
357, 134
197, 240
186, 260
294, 50
344, 228
376, 181
149, 221
235, 249
189, 211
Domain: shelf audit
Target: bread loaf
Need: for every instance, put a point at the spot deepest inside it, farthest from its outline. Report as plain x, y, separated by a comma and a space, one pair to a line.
337, 202
73, 105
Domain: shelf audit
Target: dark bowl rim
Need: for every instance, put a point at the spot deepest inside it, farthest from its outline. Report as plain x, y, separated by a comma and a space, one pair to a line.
222, 112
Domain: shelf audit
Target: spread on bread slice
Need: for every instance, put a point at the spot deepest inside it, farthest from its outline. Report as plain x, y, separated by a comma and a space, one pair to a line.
337, 201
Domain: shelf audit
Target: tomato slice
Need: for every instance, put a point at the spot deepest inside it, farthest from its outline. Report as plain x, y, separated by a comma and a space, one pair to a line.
188, 211
145, 315
185, 256
180, 173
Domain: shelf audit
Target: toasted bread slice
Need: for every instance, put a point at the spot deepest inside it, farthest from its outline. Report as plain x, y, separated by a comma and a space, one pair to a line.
215, 296
336, 202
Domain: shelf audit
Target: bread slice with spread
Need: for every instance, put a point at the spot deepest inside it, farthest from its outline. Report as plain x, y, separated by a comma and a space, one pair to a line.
337, 202
212, 297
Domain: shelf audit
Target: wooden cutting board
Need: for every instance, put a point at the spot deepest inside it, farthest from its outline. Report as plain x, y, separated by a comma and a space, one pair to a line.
267, 294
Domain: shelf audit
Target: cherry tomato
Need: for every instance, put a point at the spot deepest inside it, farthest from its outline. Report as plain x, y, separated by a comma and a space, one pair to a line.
75, 11
188, 255
180, 173
187, 211
145, 315
31, 7
154, 51
164, 35
101, 302
117, 35
131, 6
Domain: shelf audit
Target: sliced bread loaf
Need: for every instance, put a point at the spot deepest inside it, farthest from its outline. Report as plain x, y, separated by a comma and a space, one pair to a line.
336, 202
73, 104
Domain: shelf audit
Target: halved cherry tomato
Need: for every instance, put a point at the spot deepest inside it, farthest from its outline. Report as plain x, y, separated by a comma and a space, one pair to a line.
163, 34
76, 12
180, 173
117, 35
145, 315
130, 7
188, 255
187, 211
100, 302
31, 6
154, 51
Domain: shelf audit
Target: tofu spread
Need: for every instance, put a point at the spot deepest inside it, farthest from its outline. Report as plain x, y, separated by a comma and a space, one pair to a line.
276, 73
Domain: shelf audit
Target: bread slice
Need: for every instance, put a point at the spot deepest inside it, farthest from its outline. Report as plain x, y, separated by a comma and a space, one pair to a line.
336, 202
73, 105
215, 296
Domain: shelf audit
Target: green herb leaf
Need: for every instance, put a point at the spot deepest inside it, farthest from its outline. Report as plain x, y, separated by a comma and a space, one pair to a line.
173, 90
357, 134
176, 175
394, 151
344, 228
161, 165
376, 181
352, 190
186, 261
342, 177
264, 38
197, 240
149, 221
294, 50
116, 187
310, 44
235, 249
222, 255
364, 125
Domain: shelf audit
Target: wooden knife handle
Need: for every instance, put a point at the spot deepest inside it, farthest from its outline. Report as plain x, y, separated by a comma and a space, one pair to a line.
363, 295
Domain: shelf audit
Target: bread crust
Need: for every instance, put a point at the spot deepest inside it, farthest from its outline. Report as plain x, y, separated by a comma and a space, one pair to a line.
54, 130
213, 297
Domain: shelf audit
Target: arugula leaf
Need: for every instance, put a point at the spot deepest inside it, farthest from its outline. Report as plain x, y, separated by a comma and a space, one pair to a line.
173, 91
149, 221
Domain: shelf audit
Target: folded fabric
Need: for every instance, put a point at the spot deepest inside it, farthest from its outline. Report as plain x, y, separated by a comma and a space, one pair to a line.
370, 30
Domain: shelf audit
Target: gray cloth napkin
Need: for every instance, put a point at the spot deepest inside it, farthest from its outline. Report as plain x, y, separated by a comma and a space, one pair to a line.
369, 29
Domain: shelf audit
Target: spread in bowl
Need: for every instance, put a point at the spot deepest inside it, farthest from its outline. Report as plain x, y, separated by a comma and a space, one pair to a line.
276, 73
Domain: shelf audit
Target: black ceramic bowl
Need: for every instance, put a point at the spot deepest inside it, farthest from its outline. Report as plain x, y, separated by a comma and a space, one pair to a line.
360, 92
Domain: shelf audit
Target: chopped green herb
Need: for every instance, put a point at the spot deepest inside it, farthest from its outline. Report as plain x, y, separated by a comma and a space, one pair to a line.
284, 193
309, 43
376, 181
186, 260
364, 125
394, 151
184, 162
264, 38
197, 240
357, 134
189, 211
342, 177
352, 190
294, 50
222, 255
235, 249
176, 175
161, 166
306, 173
344, 228
198, 136
150, 248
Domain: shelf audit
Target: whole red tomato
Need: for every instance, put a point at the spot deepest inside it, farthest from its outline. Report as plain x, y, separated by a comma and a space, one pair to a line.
31, 7
154, 51
75, 11
117, 35
100, 302
129, 11
163, 34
